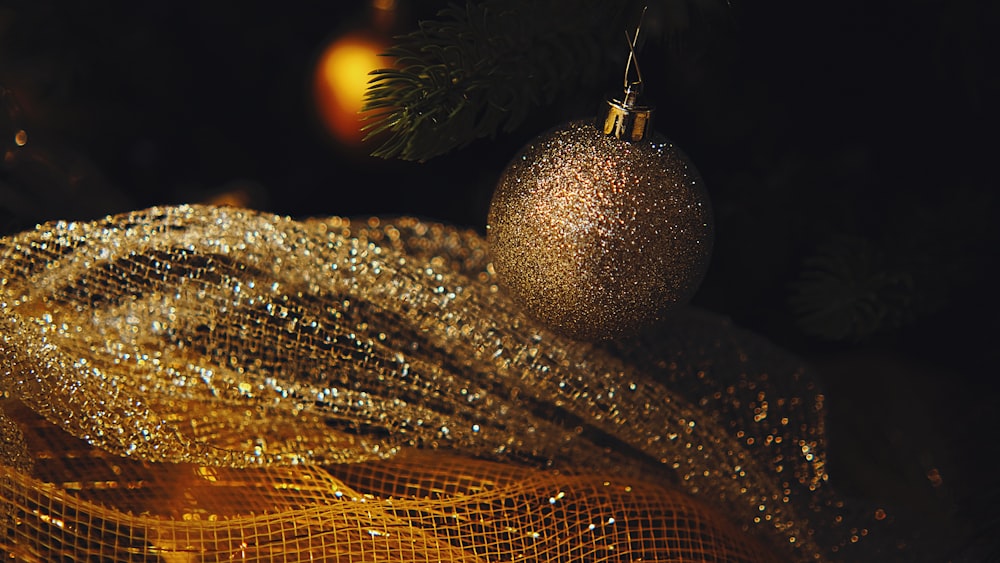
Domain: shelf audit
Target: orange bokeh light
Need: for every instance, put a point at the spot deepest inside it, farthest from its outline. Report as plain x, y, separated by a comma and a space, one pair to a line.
340, 80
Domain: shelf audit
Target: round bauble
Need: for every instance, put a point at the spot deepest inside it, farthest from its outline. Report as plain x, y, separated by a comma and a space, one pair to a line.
598, 237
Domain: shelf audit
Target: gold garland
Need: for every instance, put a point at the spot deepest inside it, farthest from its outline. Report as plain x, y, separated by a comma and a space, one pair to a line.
204, 383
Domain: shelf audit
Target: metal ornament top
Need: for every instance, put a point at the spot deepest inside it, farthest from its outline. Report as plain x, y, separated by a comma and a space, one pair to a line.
625, 118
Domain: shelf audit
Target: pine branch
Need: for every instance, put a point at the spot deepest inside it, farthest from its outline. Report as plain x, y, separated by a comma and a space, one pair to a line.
481, 68
930, 255
849, 291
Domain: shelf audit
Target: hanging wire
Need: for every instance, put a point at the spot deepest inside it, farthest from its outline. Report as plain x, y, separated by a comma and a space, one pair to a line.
633, 89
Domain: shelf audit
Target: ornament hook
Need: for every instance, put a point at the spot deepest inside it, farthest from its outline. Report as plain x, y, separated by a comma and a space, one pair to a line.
633, 89
624, 118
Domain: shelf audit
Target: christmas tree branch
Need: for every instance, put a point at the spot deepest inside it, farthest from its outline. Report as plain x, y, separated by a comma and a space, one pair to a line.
481, 68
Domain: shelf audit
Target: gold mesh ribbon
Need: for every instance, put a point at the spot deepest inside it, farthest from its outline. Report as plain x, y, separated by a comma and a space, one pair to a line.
202, 384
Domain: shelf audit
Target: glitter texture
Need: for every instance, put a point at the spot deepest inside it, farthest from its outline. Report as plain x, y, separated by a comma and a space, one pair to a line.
599, 237
204, 383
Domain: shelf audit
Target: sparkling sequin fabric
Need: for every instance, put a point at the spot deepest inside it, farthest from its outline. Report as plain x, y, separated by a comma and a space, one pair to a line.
199, 383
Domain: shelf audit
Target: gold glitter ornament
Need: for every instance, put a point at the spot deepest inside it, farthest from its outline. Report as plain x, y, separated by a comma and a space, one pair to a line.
598, 229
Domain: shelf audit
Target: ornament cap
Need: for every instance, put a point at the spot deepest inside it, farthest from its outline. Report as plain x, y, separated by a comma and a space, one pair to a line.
623, 119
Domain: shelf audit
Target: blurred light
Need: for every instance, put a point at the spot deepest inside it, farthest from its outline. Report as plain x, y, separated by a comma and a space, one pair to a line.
343, 71
341, 79
235, 198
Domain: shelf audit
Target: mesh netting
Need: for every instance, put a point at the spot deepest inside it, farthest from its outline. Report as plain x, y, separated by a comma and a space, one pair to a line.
84, 503
198, 383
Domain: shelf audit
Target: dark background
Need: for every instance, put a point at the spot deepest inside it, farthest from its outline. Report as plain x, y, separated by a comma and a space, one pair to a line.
809, 121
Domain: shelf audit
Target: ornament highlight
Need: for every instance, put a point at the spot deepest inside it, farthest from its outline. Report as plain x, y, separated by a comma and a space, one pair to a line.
598, 229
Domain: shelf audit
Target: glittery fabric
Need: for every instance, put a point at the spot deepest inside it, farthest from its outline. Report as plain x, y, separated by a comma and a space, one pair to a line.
201, 383
599, 237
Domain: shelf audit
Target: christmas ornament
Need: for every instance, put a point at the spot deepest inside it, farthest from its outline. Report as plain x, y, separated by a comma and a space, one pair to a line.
597, 231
